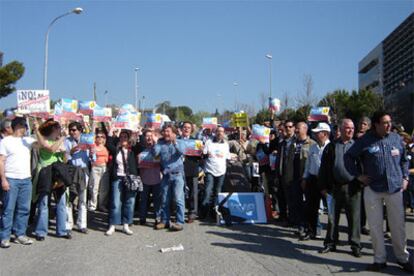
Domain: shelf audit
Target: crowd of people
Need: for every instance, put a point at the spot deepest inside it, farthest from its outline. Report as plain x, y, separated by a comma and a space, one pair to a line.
303, 170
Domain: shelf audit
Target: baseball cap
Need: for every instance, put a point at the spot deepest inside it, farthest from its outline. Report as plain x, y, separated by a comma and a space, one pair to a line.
322, 127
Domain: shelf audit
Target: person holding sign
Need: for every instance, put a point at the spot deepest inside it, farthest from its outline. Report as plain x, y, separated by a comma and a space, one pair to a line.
51, 151
150, 173
172, 185
122, 202
191, 165
216, 153
82, 160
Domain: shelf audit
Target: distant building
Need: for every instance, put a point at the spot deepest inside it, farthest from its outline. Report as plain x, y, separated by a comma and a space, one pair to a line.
389, 70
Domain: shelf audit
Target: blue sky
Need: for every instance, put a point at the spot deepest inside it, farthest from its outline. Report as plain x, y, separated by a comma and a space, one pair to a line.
191, 52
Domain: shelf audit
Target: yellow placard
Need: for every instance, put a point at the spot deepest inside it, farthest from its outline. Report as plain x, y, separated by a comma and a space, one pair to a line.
240, 120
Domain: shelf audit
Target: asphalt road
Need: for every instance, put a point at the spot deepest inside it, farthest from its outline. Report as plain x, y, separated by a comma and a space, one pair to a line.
208, 250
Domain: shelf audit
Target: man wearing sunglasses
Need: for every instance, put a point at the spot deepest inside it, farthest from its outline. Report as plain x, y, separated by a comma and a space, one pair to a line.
82, 160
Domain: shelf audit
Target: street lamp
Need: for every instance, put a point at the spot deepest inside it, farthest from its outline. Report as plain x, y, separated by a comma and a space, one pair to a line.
269, 57
106, 97
136, 87
75, 11
235, 84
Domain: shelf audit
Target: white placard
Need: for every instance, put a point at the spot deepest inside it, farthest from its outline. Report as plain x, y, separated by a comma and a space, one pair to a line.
33, 101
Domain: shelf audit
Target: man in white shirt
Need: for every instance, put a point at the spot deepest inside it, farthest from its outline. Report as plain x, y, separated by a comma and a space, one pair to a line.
16, 184
310, 179
216, 152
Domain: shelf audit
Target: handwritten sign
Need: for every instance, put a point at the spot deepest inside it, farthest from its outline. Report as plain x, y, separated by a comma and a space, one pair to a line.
210, 122
33, 101
261, 133
240, 120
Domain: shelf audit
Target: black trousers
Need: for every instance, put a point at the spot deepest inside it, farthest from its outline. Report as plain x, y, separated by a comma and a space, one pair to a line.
313, 198
192, 201
348, 197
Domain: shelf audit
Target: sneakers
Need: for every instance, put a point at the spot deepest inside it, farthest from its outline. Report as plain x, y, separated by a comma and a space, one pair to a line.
5, 244
126, 230
327, 249
176, 227
110, 231
23, 240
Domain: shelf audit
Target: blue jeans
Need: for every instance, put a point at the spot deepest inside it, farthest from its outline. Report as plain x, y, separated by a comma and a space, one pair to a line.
213, 186
172, 187
16, 208
122, 204
156, 199
42, 224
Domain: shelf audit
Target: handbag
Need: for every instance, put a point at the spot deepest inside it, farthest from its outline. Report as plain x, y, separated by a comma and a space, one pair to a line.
132, 183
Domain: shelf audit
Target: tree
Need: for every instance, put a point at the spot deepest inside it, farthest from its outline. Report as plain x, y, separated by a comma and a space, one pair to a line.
306, 97
262, 116
9, 75
338, 101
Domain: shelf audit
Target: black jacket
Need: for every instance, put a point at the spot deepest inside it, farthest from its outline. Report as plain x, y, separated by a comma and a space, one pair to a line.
58, 171
131, 159
326, 179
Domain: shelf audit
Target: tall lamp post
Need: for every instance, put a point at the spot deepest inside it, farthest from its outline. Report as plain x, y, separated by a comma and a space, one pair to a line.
136, 87
269, 57
75, 11
236, 97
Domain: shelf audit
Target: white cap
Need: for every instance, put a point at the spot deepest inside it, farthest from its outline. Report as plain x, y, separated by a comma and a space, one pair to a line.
322, 127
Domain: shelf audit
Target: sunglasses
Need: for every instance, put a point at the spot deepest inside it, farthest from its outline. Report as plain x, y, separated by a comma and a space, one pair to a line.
73, 129
289, 126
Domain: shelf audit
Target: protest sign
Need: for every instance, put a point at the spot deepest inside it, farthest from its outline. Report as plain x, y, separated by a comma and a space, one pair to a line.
86, 141
147, 160
69, 106
154, 120
262, 157
33, 101
127, 120
274, 104
260, 133
127, 108
87, 107
100, 114
240, 120
192, 147
319, 114
244, 207
63, 111
210, 122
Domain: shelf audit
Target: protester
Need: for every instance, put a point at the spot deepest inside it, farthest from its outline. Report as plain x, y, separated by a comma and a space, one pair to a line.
51, 151
5, 128
150, 174
285, 190
310, 179
238, 146
100, 177
172, 185
216, 152
295, 162
385, 175
122, 200
191, 170
16, 183
81, 159
341, 191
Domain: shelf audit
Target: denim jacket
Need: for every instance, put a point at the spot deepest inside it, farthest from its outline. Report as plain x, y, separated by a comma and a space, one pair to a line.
383, 159
172, 156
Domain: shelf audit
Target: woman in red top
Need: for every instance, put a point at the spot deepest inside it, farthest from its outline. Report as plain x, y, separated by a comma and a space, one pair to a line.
100, 184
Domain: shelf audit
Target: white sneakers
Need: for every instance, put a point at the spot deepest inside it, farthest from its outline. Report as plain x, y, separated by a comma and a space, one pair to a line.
126, 230
110, 231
